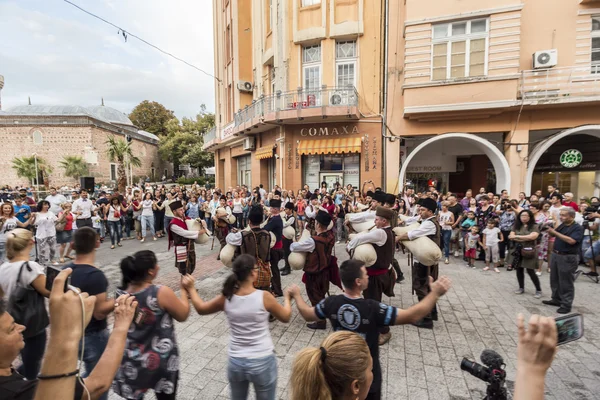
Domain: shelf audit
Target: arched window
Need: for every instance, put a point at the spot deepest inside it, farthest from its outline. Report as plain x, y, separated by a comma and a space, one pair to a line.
37, 138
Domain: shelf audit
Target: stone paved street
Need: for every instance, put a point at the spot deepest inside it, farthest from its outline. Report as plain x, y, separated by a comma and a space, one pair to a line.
478, 313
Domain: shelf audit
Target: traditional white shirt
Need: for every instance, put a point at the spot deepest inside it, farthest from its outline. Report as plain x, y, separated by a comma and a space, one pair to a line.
362, 216
311, 211
289, 221
426, 228
307, 246
184, 232
235, 239
375, 236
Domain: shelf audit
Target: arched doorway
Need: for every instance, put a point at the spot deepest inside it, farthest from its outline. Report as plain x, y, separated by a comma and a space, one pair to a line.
539, 161
482, 145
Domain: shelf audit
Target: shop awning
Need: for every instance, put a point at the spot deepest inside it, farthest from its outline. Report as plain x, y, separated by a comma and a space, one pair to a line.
330, 146
264, 152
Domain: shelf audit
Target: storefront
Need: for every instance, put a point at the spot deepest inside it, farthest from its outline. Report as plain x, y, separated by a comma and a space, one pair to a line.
572, 164
333, 153
244, 170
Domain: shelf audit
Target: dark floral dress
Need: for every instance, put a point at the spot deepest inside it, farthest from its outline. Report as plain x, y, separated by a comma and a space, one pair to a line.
151, 356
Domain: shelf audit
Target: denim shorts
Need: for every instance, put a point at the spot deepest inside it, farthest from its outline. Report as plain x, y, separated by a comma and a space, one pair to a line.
64, 237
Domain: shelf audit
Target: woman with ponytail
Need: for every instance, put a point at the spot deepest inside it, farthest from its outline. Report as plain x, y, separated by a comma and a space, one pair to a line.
251, 350
151, 358
341, 369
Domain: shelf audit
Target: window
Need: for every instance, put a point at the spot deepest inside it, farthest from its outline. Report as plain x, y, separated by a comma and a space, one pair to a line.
345, 63
459, 49
271, 15
245, 170
306, 3
228, 45
596, 45
311, 67
113, 172
37, 138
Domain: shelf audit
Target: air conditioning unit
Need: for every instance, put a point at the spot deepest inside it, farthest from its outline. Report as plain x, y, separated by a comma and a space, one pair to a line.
249, 143
545, 58
245, 86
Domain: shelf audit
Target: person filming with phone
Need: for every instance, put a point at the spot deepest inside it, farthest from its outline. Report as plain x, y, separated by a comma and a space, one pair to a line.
564, 261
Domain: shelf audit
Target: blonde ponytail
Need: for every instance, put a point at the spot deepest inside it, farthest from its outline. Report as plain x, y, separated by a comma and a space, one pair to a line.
17, 240
326, 373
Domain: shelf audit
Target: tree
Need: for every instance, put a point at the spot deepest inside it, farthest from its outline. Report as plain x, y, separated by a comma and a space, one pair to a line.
121, 153
74, 166
183, 142
152, 117
26, 168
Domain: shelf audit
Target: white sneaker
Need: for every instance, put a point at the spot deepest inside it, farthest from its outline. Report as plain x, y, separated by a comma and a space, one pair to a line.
446, 261
155, 238
538, 273
456, 254
338, 242
142, 241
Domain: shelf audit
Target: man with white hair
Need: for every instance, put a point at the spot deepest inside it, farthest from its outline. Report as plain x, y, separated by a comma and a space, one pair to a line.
564, 261
568, 201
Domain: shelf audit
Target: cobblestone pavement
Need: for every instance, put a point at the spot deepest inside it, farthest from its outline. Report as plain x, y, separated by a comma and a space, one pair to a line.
479, 312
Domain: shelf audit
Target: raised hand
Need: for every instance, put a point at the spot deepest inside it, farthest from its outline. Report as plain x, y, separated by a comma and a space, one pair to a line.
441, 286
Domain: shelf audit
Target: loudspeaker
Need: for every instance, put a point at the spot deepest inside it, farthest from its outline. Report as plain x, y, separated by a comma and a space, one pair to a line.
87, 183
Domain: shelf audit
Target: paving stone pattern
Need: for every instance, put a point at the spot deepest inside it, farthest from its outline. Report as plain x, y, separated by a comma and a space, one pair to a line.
479, 312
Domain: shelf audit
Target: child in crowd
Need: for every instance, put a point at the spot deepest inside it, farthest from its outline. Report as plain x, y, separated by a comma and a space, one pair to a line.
465, 228
491, 238
471, 241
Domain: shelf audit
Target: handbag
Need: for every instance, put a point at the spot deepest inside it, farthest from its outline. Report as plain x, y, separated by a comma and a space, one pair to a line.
264, 269
528, 252
60, 225
27, 307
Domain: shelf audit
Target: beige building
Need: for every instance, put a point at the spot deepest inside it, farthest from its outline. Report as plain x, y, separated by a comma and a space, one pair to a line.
299, 97
501, 94
56, 131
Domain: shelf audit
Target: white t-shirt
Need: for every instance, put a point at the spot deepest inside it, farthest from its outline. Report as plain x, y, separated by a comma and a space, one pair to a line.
9, 225
55, 202
147, 208
9, 271
444, 217
45, 225
491, 236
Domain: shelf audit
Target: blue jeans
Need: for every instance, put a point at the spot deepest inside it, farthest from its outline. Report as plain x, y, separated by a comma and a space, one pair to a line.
95, 344
115, 231
446, 235
167, 222
587, 256
148, 221
262, 372
32, 355
209, 223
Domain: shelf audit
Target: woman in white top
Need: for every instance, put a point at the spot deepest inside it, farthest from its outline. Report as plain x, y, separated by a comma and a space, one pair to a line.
113, 217
8, 222
45, 234
19, 245
238, 210
148, 205
251, 356
446, 220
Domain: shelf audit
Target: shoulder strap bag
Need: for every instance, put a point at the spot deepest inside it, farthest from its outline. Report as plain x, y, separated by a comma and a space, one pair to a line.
27, 307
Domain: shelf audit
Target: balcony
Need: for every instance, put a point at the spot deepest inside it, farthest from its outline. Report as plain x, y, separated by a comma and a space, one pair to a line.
294, 106
210, 138
560, 85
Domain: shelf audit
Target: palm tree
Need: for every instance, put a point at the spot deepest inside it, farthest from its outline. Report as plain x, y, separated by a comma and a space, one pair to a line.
121, 153
74, 166
25, 168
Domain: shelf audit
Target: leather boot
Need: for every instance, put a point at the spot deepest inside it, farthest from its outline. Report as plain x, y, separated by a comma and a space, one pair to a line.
286, 271
317, 325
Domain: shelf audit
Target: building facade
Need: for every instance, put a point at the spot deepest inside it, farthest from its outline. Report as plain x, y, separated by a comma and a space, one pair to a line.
500, 94
298, 97
52, 132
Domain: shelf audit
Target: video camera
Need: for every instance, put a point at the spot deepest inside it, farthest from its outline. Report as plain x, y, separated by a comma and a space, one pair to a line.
491, 372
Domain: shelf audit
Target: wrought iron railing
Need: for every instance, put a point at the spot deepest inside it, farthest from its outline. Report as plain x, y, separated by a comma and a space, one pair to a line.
560, 84
298, 99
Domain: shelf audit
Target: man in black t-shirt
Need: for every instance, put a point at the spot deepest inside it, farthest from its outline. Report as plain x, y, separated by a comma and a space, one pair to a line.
88, 278
351, 312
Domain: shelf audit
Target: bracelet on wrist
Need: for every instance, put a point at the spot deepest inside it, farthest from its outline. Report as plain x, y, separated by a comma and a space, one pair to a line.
59, 376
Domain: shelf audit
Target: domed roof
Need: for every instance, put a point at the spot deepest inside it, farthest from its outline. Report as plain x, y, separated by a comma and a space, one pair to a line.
64, 110
110, 114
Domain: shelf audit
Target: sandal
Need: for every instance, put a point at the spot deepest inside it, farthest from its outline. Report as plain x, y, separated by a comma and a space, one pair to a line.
119, 244
486, 269
61, 260
112, 246
69, 257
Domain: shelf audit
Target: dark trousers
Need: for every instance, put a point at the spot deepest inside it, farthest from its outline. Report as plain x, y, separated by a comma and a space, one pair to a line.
532, 275
378, 285
32, 355
562, 281
317, 286
420, 283
84, 222
286, 251
373, 396
276, 255
503, 245
396, 267
239, 220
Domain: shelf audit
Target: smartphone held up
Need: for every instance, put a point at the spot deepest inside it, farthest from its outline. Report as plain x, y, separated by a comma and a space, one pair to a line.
569, 328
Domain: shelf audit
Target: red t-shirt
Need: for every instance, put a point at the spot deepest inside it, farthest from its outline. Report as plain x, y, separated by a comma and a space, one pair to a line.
571, 204
301, 206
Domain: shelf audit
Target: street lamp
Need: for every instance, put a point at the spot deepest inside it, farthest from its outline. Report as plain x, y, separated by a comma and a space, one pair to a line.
37, 175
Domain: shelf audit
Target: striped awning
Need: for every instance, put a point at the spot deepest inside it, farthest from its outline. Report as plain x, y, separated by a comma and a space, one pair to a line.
330, 146
264, 152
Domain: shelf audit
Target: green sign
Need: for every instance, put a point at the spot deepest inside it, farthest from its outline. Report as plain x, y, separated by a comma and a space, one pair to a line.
571, 158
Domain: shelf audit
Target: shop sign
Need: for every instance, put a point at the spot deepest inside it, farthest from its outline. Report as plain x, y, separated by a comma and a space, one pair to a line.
374, 159
228, 131
366, 153
329, 131
426, 164
571, 158
289, 156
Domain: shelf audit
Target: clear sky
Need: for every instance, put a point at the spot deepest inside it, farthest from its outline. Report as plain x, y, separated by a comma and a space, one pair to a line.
56, 54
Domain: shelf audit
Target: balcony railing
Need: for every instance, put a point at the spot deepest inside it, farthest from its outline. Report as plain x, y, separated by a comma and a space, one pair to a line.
210, 135
299, 99
564, 84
